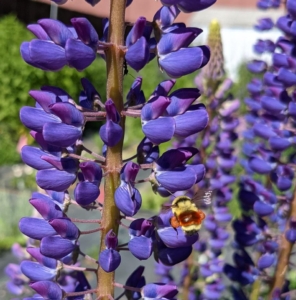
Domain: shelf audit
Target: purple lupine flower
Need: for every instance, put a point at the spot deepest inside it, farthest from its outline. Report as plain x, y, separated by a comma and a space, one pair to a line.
57, 247
137, 55
56, 45
137, 280
47, 289
38, 272
159, 291
88, 189
141, 242
59, 122
264, 24
189, 6
110, 258
111, 132
127, 197
17, 280
65, 228
36, 228
57, 125
171, 172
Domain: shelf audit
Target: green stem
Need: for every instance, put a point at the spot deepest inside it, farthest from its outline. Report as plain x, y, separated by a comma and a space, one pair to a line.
114, 61
255, 290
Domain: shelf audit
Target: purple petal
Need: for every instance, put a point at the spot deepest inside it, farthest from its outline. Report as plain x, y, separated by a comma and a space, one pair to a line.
166, 15
32, 157
60, 134
65, 228
56, 247
53, 179
43, 260
291, 8
85, 31
192, 59
178, 180
127, 199
194, 5
79, 55
37, 272
44, 55
263, 209
47, 208
141, 247
176, 39
176, 238
160, 130
159, 291
86, 193
129, 172
56, 30
36, 228
173, 256
91, 171
287, 77
111, 133
291, 235
48, 290
136, 32
164, 88
174, 158
137, 55
154, 108
278, 143
109, 260
38, 31
44, 99
181, 100
192, 121
35, 118
111, 240
266, 261
68, 113
260, 166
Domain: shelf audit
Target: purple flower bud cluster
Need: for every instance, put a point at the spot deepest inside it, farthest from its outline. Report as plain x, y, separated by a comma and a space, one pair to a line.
165, 115
269, 134
217, 150
220, 164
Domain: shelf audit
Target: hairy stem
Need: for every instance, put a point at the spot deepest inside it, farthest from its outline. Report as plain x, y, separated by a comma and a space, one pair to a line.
284, 253
188, 280
114, 61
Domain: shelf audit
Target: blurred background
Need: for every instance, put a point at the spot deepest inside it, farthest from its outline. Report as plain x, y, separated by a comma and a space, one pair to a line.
17, 181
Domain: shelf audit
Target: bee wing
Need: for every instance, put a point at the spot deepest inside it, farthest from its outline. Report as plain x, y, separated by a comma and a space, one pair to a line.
203, 197
166, 207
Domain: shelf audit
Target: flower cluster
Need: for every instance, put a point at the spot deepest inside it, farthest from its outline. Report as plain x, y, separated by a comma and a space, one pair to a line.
57, 123
266, 202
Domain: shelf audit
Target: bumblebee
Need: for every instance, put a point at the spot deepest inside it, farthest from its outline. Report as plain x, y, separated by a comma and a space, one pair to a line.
186, 213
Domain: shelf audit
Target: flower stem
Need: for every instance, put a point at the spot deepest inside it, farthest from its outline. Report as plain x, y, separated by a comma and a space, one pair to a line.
284, 254
114, 61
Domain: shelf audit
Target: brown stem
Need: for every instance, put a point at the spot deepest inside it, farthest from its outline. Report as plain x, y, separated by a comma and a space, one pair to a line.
188, 280
91, 231
81, 293
284, 253
114, 61
85, 221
